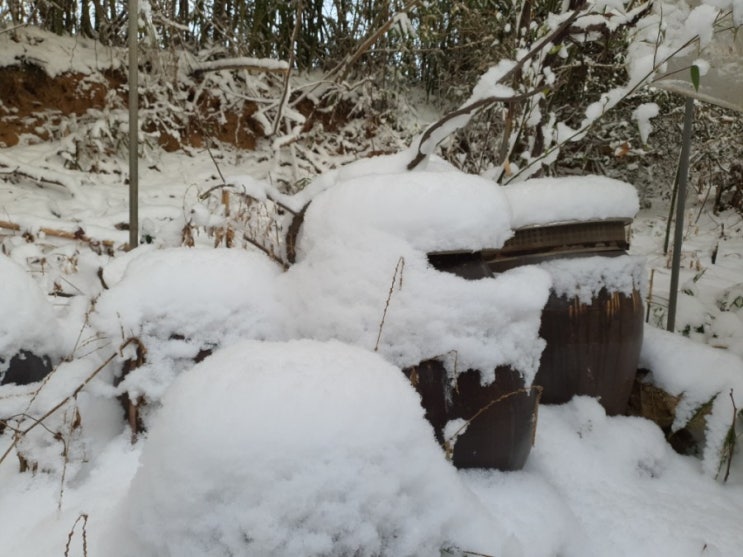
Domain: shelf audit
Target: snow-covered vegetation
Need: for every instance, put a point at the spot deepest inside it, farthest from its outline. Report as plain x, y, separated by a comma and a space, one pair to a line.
233, 385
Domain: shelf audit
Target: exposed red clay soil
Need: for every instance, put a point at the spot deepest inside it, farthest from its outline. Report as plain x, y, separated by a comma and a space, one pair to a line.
30, 98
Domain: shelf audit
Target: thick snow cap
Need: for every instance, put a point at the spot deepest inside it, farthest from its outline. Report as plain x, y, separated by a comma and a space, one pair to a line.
576, 198
432, 211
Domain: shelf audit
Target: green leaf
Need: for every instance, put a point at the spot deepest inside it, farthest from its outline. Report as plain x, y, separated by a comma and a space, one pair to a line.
695, 77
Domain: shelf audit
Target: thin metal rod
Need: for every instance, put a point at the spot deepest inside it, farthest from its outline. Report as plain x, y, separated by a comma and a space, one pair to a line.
671, 208
678, 238
133, 126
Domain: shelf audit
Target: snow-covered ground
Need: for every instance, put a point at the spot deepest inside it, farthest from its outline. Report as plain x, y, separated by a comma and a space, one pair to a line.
270, 411
276, 445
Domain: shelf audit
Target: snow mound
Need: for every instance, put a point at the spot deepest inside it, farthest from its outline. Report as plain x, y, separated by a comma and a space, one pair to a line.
299, 448
363, 276
379, 292
543, 201
28, 321
180, 301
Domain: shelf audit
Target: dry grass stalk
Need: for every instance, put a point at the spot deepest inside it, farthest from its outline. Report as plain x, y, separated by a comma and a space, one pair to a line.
650, 296
84, 518
187, 235
40, 421
731, 439
75, 423
399, 268
451, 441
132, 407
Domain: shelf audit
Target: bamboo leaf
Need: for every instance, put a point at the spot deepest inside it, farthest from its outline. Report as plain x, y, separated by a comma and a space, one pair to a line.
695, 77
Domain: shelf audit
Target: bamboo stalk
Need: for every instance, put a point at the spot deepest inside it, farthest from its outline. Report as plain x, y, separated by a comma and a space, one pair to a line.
78, 234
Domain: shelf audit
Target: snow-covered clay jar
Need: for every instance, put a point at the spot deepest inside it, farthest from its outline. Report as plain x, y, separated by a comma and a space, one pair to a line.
479, 425
467, 341
575, 229
28, 334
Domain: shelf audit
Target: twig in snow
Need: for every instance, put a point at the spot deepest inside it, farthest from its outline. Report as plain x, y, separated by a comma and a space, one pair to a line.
211, 156
84, 518
78, 235
449, 443
730, 439
74, 394
399, 268
40, 175
467, 110
248, 196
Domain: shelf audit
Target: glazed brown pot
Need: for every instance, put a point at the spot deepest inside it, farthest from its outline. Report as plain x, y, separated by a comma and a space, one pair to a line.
500, 417
25, 367
592, 348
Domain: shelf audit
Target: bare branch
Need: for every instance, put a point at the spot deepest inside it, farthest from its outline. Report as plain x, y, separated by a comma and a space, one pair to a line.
78, 234
287, 75
467, 110
74, 394
266, 65
472, 108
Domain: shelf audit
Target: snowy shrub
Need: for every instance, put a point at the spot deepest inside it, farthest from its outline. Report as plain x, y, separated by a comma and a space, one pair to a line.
684, 369
295, 449
28, 321
55, 427
218, 297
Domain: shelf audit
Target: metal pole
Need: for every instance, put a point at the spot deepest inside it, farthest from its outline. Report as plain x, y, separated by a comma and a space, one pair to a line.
678, 238
133, 127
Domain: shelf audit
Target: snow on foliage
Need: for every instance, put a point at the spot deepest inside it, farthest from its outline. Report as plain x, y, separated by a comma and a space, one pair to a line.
57, 54
643, 114
301, 449
676, 364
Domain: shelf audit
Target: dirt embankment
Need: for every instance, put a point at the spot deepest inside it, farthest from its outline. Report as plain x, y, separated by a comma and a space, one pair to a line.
32, 102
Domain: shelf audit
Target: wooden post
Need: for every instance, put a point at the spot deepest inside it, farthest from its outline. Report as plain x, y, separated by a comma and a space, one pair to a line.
133, 126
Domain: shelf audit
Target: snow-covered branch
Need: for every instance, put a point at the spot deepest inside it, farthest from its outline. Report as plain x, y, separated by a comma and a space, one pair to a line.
9, 166
268, 65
